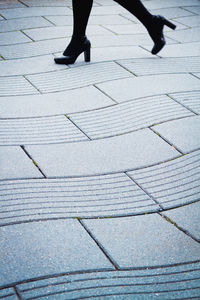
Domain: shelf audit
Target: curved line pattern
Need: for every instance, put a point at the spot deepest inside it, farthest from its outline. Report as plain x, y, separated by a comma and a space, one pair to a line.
173, 282
160, 187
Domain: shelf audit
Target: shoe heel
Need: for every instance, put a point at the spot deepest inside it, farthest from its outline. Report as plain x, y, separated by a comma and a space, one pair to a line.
169, 24
87, 55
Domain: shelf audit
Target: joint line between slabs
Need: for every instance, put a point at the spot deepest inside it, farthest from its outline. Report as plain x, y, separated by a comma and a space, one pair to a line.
20, 1
189, 109
68, 118
144, 190
123, 67
165, 140
105, 94
24, 76
35, 164
22, 31
112, 261
179, 227
17, 293
192, 74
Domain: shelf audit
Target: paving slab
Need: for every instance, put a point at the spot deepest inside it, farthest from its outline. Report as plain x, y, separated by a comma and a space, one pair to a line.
185, 36
172, 12
102, 156
124, 40
8, 293
29, 66
183, 134
16, 164
43, 130
180, 281
143, 241
152, 66
47, 3
187, 218
189, 100
10, 4
23, 23
95, 196
136, 28
98, 41
33, 49
46, 33
108, 10
76, 100
34, 12
74, 78
181, 50
13, 86
197, 75
42, 248
14, 37
193, 9
130, 88
174, 183
93, 20
113, 53
170, 3
128, 116
192, 21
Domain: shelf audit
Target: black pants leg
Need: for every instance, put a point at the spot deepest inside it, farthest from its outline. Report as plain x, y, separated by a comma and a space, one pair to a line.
81, 13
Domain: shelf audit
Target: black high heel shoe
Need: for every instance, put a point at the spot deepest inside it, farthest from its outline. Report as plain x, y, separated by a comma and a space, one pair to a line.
156, 32
75, 48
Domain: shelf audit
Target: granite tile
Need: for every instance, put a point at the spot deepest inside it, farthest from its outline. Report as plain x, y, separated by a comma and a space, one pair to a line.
139, 149
131, 88
34, 12
77, 77
189, 100
23, 23
187, 217
128, 116
183, 134
16, 164
15, 37
185, 36
42, 130
132, 241
173, 183
39, 34
76, 100
29, 66
192, 21
47, 248
16, 85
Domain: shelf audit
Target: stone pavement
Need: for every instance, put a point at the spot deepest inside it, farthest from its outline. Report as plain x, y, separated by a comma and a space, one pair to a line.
100, 161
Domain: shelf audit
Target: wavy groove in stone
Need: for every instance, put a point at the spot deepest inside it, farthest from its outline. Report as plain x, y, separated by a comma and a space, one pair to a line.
13, 86
168, 282
162, 66
189, 99
129, 116
39, 131
173, 183
77, 77
107, 195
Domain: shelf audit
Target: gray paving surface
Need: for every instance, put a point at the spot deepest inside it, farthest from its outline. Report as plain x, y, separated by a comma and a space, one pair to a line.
99, 162
148, 233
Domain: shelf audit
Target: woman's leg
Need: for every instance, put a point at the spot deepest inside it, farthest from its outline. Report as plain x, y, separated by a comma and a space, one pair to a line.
153, 23
81, 13
79, 42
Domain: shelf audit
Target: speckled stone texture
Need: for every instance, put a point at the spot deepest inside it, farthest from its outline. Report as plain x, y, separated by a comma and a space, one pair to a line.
99, 161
